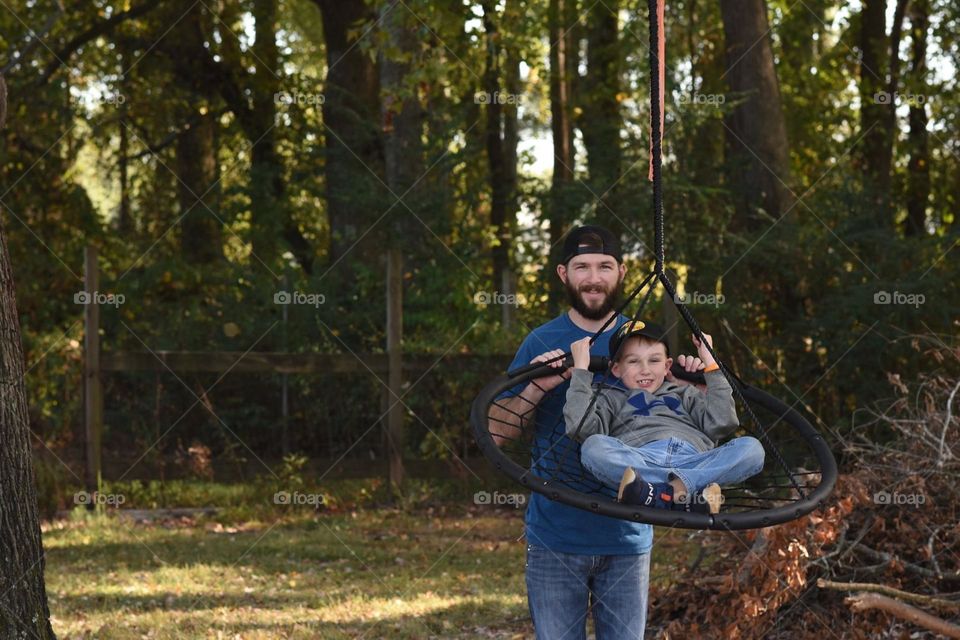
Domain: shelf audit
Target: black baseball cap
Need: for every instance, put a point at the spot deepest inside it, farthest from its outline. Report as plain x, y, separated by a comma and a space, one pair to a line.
638, 328
591, 239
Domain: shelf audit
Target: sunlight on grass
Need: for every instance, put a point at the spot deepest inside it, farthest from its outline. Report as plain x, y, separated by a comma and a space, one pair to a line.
429, 569
369, 573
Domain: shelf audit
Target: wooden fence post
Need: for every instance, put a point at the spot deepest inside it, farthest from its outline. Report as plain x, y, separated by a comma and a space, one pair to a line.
93, 391
395, 365
284, 379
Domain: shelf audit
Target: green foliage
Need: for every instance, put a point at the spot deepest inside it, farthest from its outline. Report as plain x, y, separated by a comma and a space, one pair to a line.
799, 315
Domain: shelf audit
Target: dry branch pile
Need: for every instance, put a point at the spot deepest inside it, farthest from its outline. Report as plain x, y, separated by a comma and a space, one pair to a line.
882, 560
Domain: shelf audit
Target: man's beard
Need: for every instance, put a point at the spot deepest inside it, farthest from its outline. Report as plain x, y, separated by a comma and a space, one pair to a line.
610, 302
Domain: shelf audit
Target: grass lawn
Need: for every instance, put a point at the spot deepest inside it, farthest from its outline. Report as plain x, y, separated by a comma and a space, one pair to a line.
443, 571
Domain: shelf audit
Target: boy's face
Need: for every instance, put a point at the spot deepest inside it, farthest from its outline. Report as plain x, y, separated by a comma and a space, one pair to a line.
643, 364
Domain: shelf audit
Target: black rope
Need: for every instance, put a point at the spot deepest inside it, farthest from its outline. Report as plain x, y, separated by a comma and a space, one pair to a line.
655, 134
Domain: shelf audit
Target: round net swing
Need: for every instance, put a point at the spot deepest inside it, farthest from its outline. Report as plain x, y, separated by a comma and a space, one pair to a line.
528, 443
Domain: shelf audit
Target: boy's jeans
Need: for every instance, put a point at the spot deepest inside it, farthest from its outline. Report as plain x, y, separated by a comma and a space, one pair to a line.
561, 587
662, 460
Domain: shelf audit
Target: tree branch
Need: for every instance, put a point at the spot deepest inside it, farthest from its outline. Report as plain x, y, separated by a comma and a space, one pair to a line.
31, 45
946, 424
864, 601
917, 569
97, 30
166, 141
890, 591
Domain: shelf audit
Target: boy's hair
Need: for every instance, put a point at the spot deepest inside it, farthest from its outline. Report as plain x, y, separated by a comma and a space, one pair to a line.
617, 357
637, 328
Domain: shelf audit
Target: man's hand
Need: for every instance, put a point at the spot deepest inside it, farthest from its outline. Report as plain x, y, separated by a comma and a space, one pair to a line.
547, 383
581, 353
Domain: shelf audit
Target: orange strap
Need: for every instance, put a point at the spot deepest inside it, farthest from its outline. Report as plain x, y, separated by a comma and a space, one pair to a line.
713, 367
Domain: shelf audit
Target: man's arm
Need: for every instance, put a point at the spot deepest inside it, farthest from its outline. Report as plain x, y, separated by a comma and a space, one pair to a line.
508, 417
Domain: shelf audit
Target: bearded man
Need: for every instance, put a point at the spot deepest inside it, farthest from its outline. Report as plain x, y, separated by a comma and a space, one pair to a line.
577, 561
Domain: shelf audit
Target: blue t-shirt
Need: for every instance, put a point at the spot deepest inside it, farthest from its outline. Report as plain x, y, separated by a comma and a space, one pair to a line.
552, 524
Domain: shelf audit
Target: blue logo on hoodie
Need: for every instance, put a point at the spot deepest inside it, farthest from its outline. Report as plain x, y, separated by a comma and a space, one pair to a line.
643, 407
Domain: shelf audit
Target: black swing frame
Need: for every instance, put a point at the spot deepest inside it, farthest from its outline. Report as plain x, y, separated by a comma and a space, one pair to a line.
599, 504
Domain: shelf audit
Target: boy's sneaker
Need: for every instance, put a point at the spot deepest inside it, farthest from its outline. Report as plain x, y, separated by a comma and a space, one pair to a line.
659, 495
636, 490
706, 501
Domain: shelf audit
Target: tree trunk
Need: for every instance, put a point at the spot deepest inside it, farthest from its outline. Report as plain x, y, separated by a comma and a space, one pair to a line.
197, 67
878, 88
402, 119
271, 216
266, 172
600, 121
24, 612
918, 169
564, 58
440, 127
402, 125
511, 142
875, 161
200, 230
757, 144
350, 113
124, 220
758, 162
200, 234
500, 155
802, 50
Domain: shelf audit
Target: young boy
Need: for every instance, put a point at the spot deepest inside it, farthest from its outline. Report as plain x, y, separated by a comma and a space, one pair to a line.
658, 439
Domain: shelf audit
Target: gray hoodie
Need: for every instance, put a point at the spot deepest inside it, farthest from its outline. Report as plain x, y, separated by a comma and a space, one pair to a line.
636, 417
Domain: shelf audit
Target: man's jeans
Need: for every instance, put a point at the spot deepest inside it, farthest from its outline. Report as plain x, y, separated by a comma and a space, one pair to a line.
561, 587
662, 460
